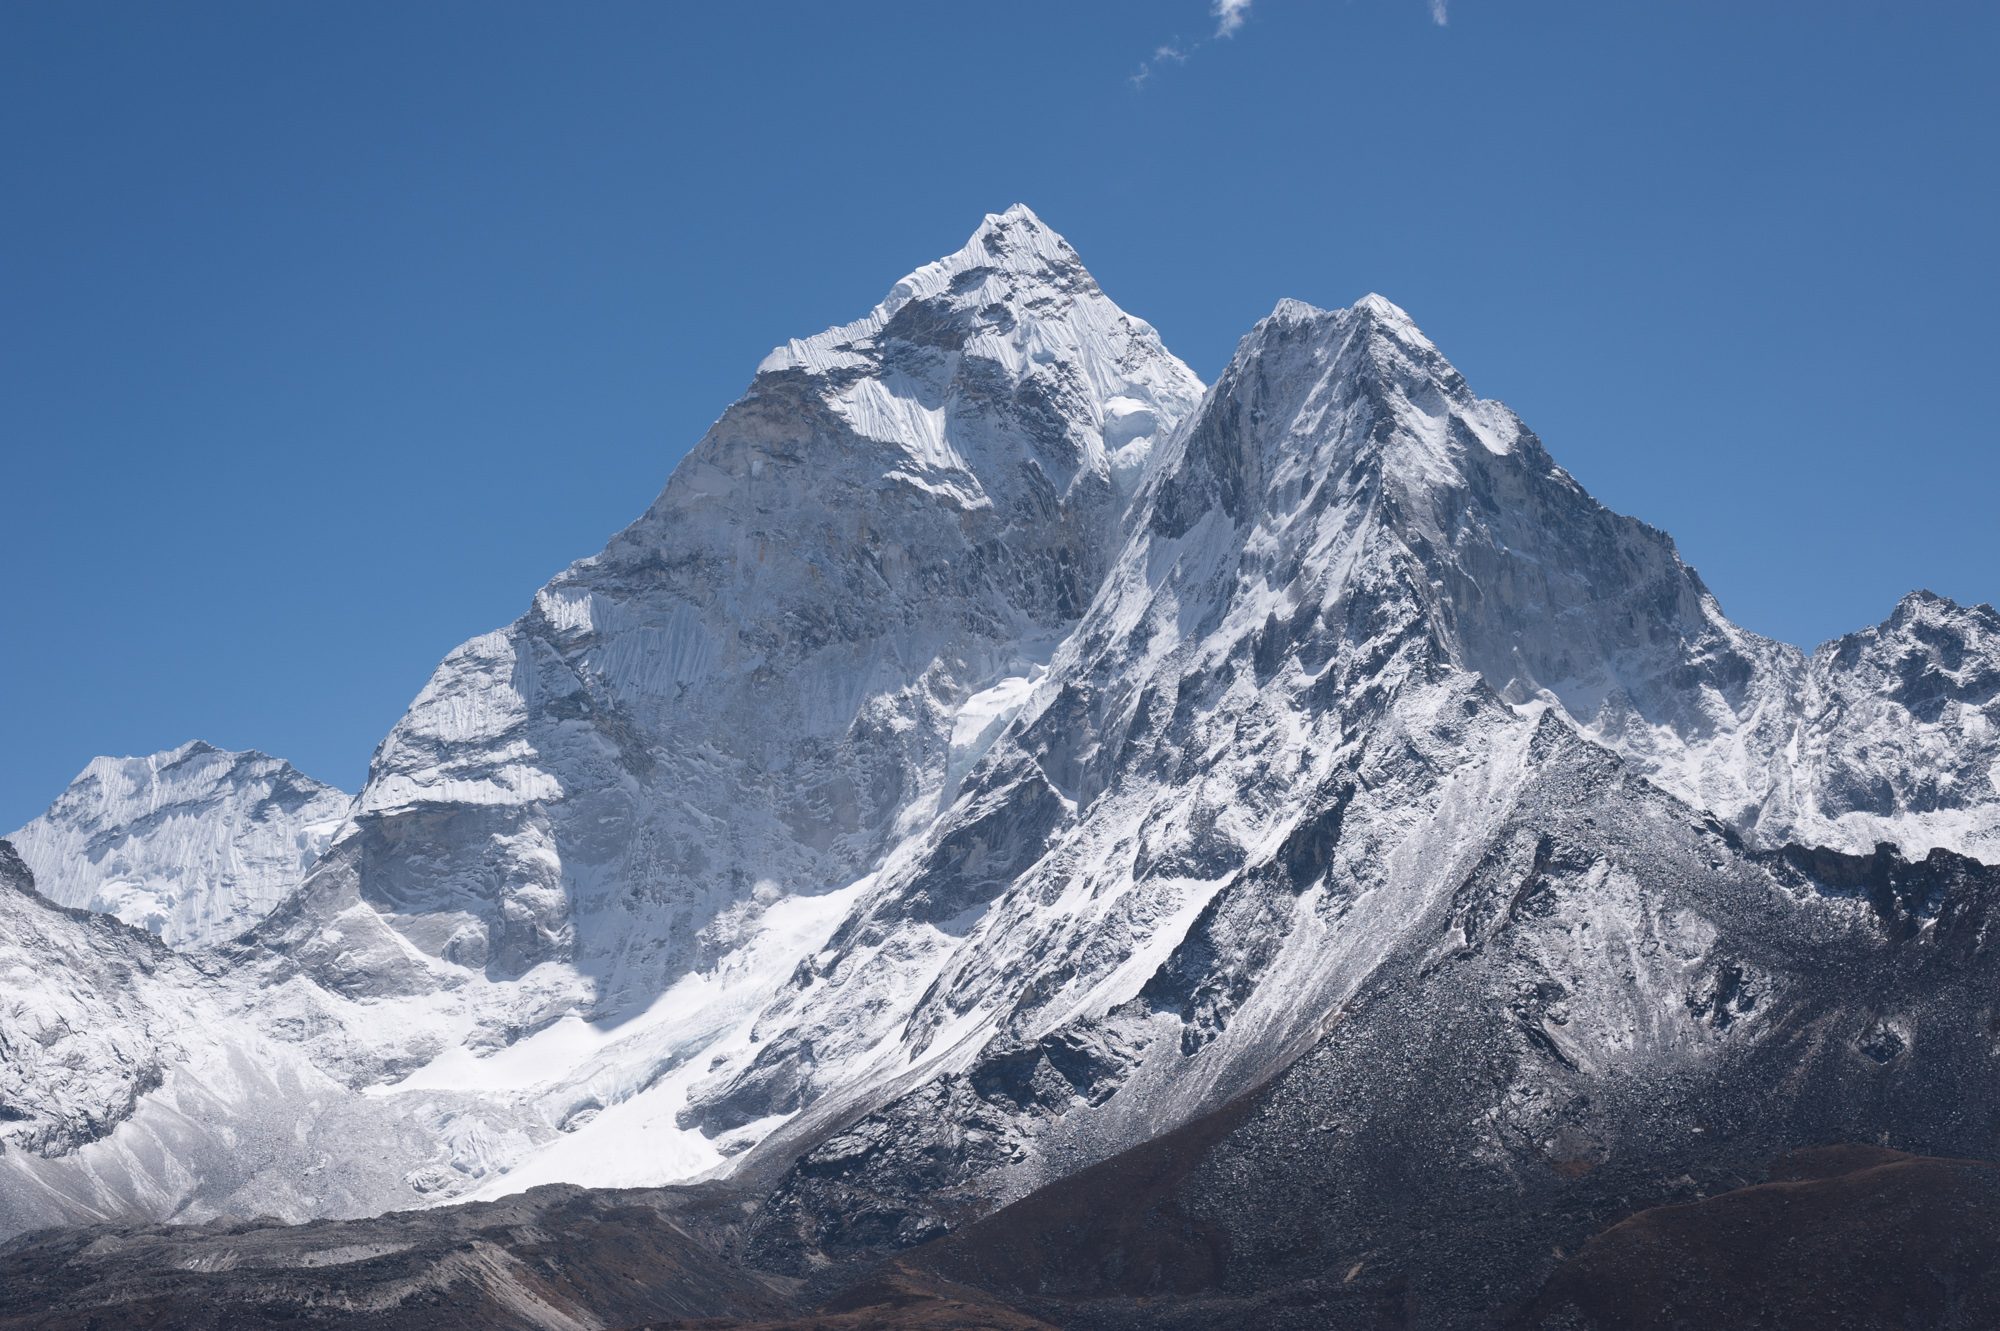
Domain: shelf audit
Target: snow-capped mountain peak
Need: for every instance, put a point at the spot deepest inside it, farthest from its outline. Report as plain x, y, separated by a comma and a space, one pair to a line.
1012, 255
1899, 737
194, 844
1322, 408
1010, 321
758, 685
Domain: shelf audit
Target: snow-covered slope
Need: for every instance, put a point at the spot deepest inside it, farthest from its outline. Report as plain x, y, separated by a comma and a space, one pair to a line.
195, 844
990, 750
77, 1051
137, 1080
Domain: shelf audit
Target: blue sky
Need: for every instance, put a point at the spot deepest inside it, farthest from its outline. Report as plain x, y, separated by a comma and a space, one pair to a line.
329, 331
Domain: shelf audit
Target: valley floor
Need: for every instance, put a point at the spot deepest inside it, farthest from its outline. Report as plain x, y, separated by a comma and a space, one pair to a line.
1835, 1237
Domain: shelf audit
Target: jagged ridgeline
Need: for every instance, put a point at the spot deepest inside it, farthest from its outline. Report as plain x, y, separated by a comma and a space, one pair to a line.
993, 752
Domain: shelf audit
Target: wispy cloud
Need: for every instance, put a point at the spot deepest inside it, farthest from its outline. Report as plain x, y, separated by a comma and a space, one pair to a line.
1229, 15
1164, 54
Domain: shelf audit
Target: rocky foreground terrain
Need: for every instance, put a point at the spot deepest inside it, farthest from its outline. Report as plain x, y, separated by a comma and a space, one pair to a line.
1836, 1237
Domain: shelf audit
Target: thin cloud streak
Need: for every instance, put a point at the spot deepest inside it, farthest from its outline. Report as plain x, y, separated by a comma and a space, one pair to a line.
1165, 54
1229, 16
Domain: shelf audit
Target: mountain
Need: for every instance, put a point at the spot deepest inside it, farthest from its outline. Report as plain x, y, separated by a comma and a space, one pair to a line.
195, 844
1611, 1012
1370, 668
602, 837
781, 669
994, 754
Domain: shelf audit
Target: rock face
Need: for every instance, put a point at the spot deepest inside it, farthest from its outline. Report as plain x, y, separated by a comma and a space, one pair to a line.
194, 845
992, 750
77, 1047
1897, 737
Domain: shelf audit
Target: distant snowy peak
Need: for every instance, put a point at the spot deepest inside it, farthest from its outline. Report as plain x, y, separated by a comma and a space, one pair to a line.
194, 844
1900, 738
1937, 629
